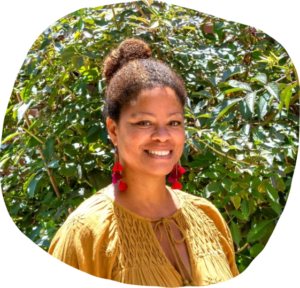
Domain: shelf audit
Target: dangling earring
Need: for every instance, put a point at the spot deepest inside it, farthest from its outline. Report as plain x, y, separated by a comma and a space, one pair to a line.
175, 174
116, 172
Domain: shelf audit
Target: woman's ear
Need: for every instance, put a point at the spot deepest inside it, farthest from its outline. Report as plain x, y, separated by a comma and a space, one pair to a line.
111, 129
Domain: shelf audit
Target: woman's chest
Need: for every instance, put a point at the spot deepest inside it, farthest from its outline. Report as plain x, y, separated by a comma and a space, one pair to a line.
173, 244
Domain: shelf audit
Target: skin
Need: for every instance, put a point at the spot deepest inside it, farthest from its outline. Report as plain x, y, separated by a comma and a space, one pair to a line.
146, 194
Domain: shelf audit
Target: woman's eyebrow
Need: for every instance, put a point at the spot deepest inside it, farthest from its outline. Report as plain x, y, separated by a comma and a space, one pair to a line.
152, 114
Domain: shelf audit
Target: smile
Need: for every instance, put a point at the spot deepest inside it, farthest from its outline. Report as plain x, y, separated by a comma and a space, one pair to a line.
159, 154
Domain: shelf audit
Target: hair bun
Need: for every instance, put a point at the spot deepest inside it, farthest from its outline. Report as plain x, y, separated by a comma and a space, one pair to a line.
129, 49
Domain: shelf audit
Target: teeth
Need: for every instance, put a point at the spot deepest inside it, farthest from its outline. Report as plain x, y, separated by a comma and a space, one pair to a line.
159, 152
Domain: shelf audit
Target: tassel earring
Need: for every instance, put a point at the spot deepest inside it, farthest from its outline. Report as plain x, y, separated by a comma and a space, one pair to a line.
116, 175
175, 174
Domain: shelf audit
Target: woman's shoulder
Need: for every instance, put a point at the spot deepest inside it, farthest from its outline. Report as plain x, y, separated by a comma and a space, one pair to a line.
92, 223
207, 209
208, 212
93, 211
196, 200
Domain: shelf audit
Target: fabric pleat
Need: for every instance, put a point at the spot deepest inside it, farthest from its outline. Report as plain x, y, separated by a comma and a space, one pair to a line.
106, 240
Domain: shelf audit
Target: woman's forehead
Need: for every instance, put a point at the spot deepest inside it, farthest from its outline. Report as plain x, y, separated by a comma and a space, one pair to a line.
157, 96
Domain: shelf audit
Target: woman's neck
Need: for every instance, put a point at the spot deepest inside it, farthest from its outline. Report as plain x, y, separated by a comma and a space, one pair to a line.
146, 196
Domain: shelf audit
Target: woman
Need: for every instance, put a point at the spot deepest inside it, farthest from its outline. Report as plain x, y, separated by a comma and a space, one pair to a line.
138, 230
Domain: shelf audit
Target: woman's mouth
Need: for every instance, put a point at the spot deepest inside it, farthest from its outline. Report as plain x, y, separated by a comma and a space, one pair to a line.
159, 154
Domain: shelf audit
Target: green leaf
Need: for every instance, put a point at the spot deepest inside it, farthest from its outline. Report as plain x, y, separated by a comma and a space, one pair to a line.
7, 138
213, 188
58, 47
258, 230
241, 85
22, 110
49, 150
77, 62
186, 149
255, 182
101, 22
59, 212
288, 194
154, 26
98, 179
93, 130
34, 185
43, 242
273, 89
259, 134
191, 187
148, 2
274, 181
285, 97
45, 44
67, 54
197, 164
231, 71
227, 184
262, 78
80, 24
256, 249
244, 109
152, 9
232, 90
93, 55
68, 169
93, 134
237, 214
245, 208
273, 198
250, 100
245, 131
35, 231
53, 164
262, 108
192, 176
26, 184
222, 108
235, 232
14, 209
236, 200
34, 124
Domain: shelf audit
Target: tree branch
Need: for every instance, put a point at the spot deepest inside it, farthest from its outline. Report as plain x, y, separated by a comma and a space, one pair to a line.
40, 151
115, 18
137, 7
224, 155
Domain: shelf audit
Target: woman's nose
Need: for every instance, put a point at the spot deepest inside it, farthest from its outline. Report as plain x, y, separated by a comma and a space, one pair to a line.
161, 133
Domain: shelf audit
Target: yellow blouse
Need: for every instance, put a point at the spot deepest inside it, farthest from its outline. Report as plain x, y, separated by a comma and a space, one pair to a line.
106, 240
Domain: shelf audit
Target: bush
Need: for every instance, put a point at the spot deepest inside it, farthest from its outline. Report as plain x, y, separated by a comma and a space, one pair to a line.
242, 118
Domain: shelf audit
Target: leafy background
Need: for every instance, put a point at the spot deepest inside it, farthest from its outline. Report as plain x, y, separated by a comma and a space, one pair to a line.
242, 118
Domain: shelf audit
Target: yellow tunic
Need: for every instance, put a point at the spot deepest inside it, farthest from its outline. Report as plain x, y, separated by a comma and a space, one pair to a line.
106, 240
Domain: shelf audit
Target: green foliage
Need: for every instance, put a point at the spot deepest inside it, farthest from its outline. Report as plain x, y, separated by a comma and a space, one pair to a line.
242, 118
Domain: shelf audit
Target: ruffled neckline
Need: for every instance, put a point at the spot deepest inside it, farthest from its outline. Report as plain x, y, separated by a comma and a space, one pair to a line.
114, 202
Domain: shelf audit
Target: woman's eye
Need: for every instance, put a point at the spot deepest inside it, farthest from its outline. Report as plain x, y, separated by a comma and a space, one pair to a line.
176, 123
147, 123
143, 123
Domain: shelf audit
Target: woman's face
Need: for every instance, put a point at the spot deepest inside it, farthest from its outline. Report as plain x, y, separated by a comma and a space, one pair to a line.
155, 123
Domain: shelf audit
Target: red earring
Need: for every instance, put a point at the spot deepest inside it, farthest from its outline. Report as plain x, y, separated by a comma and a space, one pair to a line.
175, 174
116, 172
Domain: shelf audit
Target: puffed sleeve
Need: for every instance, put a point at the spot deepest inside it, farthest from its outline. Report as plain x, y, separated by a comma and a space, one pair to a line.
88, 239
224, 233
225, 236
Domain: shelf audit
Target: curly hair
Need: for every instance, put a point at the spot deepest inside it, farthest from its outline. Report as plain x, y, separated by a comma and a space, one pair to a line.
129, 69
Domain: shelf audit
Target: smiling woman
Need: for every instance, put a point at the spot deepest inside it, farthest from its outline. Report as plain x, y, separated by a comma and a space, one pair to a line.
137, 230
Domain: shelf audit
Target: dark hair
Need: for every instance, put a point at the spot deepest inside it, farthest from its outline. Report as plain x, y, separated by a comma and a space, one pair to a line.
129, 69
